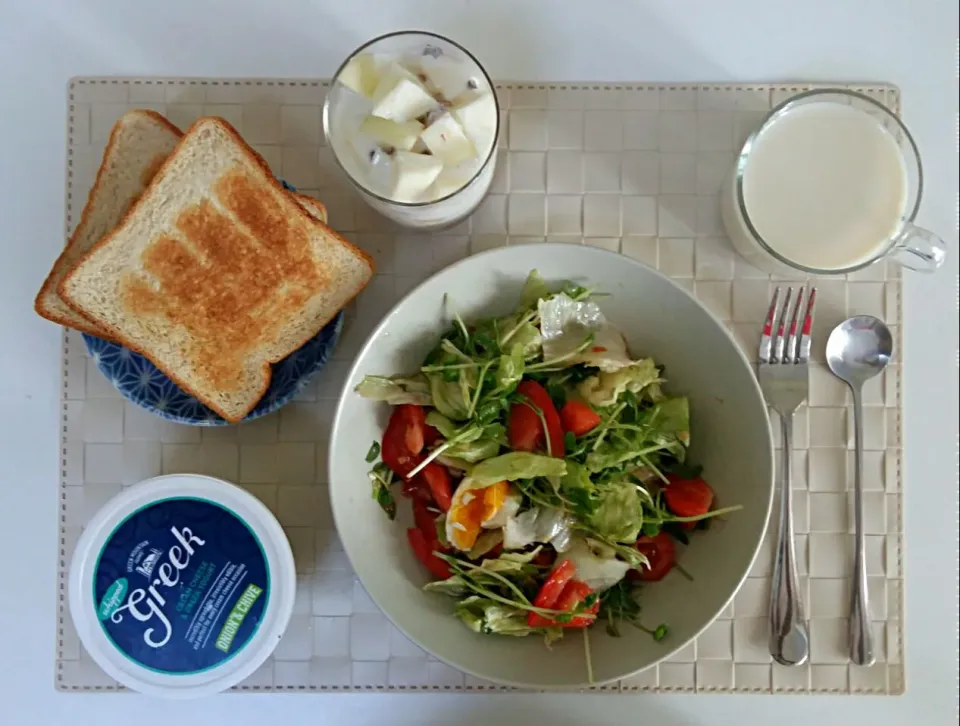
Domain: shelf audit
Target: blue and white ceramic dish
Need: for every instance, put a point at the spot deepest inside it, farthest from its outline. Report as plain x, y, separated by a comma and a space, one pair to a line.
141, 382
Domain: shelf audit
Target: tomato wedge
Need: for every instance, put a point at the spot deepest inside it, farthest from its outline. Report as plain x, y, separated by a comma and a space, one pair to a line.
574, 593
525, 428
552, 588
437, 479
661, 552
403, 439
688, 497
578, 418
424, 549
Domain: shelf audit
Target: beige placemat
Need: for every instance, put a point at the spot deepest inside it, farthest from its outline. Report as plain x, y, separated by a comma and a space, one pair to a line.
631, 168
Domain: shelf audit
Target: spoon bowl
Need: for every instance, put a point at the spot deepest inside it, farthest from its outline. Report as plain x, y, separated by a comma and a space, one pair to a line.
859, 349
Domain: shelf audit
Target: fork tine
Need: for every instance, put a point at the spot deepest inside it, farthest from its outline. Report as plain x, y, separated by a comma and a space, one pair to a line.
803, 347
766, 340
779, 342
792, 353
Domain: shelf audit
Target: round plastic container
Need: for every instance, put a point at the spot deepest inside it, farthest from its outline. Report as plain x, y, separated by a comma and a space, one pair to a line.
182, 586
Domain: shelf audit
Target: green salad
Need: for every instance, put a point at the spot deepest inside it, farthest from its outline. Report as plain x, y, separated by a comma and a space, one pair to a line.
546, 468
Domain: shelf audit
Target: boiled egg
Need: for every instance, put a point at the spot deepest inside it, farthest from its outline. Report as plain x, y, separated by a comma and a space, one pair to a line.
472, 507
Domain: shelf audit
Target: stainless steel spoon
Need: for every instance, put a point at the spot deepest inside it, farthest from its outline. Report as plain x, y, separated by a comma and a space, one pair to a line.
859, 349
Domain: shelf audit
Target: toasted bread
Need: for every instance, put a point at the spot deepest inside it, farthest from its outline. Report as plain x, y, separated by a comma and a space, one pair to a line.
139, 144
216, 272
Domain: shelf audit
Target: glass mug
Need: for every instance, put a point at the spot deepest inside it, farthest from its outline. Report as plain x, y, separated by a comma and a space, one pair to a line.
434, 65
829, 183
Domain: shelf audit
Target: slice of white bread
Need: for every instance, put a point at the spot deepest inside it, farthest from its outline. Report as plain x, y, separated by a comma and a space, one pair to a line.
216, 272
139, 144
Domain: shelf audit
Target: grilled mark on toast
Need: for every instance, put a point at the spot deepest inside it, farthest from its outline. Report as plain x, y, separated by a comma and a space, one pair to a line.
222, 290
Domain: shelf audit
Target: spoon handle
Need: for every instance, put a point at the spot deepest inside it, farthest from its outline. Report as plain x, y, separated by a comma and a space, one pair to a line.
861, 633
789, 640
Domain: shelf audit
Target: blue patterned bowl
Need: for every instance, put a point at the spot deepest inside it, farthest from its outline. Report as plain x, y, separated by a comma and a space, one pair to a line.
141, 382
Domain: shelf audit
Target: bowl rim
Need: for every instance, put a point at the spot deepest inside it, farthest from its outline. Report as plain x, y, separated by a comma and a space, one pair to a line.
339, 424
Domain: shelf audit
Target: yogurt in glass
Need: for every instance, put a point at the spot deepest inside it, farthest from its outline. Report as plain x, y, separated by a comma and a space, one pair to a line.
413, 120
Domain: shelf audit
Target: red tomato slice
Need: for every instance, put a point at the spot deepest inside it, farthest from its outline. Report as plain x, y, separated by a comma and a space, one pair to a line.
430, 435
578, 418
415, 424
662, 554
574, 592
525, 429
553, 586
425, 520
688, 497
403, 439
424, 549
437, 479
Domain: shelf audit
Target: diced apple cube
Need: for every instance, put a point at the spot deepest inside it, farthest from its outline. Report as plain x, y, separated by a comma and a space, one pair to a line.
477, 114
413, 174
360, 75
391, 133
447, 141
447, 76
400, 96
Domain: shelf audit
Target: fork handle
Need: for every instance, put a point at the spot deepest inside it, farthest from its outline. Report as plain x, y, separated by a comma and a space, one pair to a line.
789, 639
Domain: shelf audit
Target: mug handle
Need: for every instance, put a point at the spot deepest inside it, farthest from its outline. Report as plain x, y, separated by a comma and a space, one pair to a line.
918, 249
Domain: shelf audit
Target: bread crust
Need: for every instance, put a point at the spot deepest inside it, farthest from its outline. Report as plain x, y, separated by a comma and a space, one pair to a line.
265, 366
50, 284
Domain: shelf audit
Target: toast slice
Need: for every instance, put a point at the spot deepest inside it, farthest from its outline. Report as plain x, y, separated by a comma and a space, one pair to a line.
139, 143
216, 272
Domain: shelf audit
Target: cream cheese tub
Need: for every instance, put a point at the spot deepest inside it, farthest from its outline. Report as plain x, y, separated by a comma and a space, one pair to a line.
182, 586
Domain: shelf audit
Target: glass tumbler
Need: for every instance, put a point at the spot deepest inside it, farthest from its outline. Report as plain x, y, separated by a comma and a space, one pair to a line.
344, 110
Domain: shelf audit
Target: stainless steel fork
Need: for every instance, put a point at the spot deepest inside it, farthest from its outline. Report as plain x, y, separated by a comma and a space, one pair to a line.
783, 375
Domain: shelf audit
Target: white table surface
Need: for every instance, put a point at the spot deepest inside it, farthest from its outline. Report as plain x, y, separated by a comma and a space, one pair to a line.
44, 42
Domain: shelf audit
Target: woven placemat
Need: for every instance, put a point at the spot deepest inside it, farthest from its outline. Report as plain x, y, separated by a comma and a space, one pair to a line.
630, 168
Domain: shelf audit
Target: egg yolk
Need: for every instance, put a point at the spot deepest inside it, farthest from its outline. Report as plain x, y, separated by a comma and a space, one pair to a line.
481, 506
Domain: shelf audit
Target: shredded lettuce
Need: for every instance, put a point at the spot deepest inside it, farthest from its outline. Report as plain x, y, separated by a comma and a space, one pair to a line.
396, 390
619, 512
566, 323
605, 388
483, 615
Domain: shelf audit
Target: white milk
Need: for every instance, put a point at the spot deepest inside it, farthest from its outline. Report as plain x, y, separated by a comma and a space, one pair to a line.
825, 186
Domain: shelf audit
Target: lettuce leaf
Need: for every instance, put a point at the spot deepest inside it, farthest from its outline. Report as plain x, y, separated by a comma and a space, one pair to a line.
605, 388
619, 512
396, 390
534, 289
510, 369
516, 465
483, 615
565, 324
449, 397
